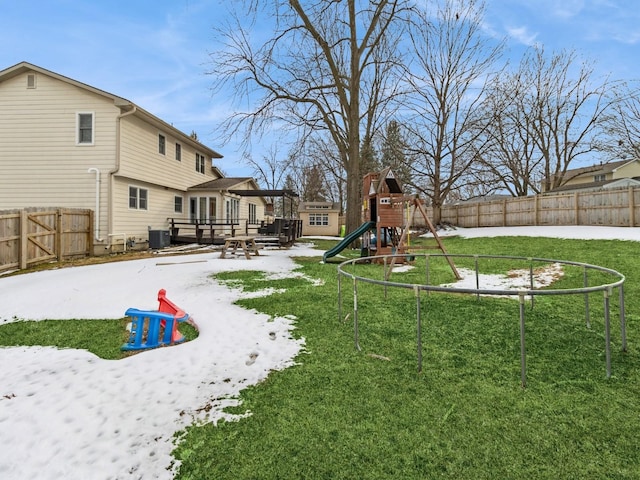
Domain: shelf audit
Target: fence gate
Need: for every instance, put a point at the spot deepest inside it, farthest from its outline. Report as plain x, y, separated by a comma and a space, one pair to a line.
32, 236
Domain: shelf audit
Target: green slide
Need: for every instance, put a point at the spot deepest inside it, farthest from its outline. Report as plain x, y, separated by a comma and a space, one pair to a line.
366, 226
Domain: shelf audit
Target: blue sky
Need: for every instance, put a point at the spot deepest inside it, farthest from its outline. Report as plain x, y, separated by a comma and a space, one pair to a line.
155, 53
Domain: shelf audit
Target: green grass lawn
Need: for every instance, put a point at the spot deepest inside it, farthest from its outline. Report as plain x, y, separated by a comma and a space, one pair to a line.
341, 413
344, 414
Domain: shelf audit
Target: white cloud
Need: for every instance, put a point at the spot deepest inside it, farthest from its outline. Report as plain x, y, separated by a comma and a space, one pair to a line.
522, 35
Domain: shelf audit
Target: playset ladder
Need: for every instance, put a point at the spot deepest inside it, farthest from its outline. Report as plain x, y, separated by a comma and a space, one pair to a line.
403, 238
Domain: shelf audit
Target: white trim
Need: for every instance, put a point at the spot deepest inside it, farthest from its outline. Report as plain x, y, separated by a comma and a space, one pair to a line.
621, 182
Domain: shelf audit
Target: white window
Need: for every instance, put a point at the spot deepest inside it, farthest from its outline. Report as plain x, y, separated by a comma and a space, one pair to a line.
319, 219
599, 178
202, 209
178, 152
138, 198
200, 163
177, 204
162, 144
233, 210
85, 128
253, 213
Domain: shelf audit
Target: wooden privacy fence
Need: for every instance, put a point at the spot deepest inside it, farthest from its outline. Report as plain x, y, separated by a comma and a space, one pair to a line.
614, 208
34, 235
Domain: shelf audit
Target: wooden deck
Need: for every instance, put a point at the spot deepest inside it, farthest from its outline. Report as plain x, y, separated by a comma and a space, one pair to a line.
280, 233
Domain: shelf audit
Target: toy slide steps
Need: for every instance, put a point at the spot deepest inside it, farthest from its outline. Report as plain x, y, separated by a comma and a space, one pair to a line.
348, 240
155, 328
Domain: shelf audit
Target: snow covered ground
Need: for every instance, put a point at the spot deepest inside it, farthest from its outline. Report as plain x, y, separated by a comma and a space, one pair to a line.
67, 414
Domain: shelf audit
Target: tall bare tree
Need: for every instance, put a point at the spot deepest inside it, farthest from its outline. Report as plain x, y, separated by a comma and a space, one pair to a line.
552, 116
321, 151
327, 67
453, 56
622, 123
507, 153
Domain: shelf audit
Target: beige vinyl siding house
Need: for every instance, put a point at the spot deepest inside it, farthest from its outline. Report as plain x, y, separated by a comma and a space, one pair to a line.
619, 174
67, 144
229, 204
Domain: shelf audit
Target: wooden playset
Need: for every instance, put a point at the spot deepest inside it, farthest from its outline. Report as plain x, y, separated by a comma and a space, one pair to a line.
390, 214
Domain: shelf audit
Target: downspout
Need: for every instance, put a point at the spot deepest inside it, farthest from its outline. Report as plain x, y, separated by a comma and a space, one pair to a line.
97, 215
115, 170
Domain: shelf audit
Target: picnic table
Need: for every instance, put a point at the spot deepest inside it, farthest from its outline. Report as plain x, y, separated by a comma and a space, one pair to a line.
246, 243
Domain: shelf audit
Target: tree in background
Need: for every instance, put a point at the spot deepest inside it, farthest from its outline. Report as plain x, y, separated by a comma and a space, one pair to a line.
393, 149
622, 124
452, 57
507, 154
329, 67
547, 114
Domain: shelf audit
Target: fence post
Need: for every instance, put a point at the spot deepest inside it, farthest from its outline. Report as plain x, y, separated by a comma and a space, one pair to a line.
576, 209
632, 209
504, 212
58, 240
23, 239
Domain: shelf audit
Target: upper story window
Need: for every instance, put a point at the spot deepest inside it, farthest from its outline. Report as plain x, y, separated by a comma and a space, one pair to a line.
162, 144
85, 128
200, 163
31, 80
178, 152
599, 178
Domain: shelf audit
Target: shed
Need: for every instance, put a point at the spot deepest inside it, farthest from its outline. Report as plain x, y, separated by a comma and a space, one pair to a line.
319, 218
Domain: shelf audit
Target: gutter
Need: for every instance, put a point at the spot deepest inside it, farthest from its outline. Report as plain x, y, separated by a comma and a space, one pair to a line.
115, 170
97, 215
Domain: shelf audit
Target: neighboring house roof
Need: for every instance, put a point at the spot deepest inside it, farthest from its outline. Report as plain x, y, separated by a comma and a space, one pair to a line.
598, 169
122, 103
225, 183
605, 184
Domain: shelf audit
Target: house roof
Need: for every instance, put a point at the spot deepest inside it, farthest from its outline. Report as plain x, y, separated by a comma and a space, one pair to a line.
122, 103
597, 169
266, 193
615, 183
225, 183
324, 206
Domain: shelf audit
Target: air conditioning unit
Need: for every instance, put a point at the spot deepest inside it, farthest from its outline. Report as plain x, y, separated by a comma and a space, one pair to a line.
159, 239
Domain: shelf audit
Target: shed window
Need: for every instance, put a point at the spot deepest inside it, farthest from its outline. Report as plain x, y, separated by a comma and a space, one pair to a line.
85, 128
319, 219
